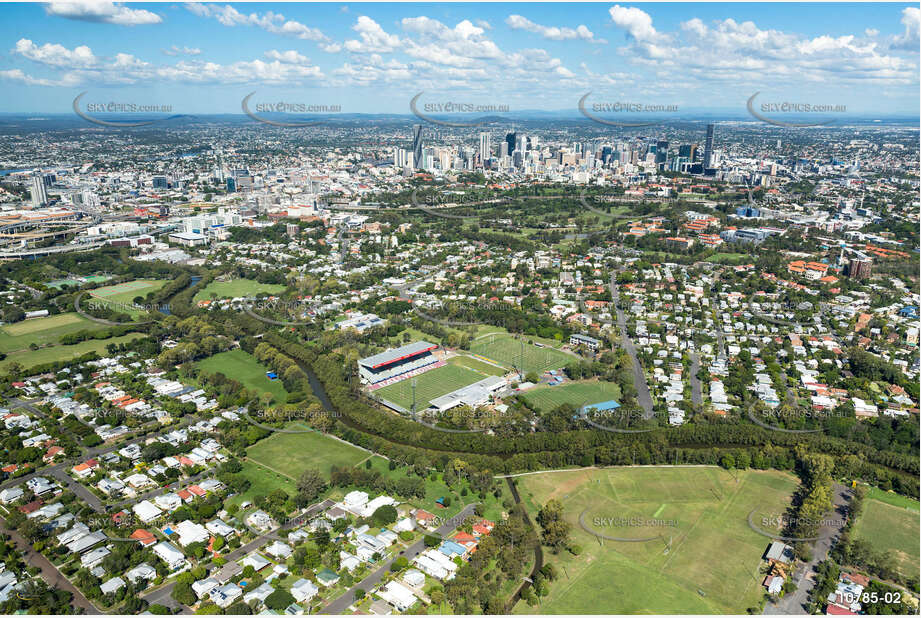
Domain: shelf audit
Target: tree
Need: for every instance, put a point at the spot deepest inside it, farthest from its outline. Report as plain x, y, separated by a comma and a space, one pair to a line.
384, 515
309, 485
279, 599
183, 593
240, 609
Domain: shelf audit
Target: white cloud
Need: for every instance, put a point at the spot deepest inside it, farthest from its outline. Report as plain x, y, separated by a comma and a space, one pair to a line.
67, 80
102, 12
909, 40
181, 51
268, 21
56, 55
374, 40
554, 33
288, 57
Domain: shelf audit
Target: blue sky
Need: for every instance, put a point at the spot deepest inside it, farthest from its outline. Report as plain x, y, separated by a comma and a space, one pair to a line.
375, 57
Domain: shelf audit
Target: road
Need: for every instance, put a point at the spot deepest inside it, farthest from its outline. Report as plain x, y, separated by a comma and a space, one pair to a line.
804, 577
696, 388
340, 605
643, 397
50, 573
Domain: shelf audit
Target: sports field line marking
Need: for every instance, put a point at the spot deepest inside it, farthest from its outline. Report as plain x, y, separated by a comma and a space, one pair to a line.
659, 510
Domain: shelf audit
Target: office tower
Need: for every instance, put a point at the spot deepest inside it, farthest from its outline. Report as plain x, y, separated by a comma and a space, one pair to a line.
484, 146
39, 194
503, 149
521, 143
231, 185
661, 151
510, 141
160, 182
708, 147
417, 145
688, 151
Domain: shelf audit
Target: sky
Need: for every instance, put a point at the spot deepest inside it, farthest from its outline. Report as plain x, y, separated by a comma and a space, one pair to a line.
375, 57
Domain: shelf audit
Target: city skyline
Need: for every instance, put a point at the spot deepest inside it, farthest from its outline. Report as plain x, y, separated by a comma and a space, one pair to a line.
204, 58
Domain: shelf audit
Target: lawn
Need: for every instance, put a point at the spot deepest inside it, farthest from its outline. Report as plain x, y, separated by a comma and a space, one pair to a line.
292, 453
262, 481
242, 366
509, 352
891, 528
30, 358
42, 331
429, 385
121, 295
578, 394
706, 561
236, 288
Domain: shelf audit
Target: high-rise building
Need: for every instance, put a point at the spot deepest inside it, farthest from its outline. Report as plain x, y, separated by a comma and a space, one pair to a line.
38, 192
510, 141
484, 147
859, 268
688, 151
417, 145
708, 147
503, 149
661, 151
160, 182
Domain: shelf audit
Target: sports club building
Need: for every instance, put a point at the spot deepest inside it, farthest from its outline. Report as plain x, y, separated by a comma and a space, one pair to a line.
398, 364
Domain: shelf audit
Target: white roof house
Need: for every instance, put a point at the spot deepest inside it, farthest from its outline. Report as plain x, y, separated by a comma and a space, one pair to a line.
303, 590
397, 595
190, 532
170, 554
146, 511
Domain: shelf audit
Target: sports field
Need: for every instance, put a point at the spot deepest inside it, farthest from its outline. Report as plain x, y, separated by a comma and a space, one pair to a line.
236, 288
577, 394
121, 295
429, 385
892, 528
42, 331
693, 552
30, 358
477, 365
243, 367
509, 352
292, 453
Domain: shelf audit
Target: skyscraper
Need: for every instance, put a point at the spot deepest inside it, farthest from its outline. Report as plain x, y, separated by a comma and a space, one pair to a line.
39, 195
417, 145
510, 139
708, 147
661, 151
484, 147
688, 151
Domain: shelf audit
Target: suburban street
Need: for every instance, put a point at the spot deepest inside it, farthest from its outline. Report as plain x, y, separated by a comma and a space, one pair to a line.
804, 577
50, 573
696, 388
643, 397
340, 605
162, 595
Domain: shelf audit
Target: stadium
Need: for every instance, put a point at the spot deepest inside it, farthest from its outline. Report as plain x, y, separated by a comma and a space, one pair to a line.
397, 364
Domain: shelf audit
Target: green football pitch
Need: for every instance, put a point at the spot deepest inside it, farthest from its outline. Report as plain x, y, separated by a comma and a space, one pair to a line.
510, 352
429, 385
